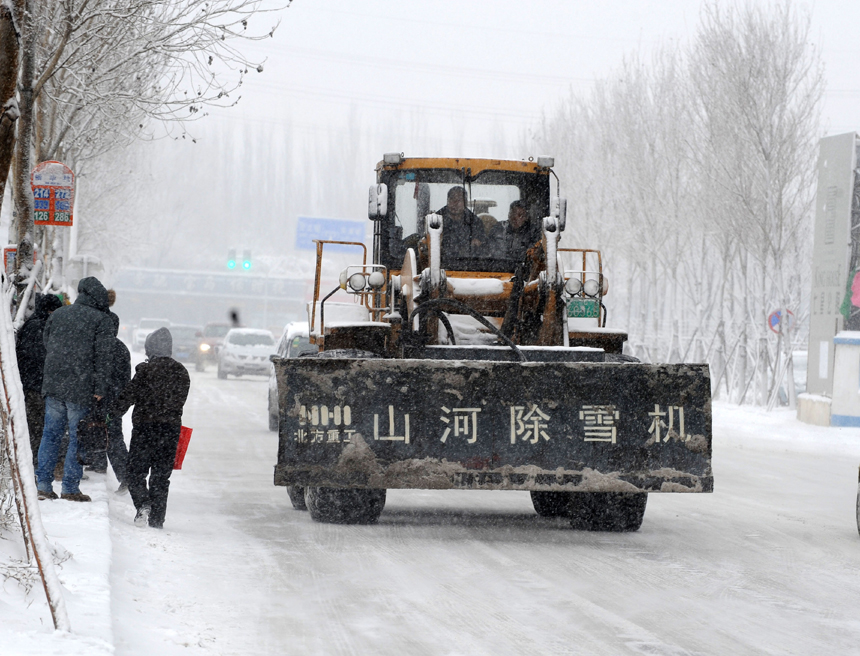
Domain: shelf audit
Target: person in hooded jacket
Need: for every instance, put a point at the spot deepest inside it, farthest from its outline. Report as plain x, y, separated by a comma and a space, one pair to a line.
30, 351
158, 392
79, 343
116, 450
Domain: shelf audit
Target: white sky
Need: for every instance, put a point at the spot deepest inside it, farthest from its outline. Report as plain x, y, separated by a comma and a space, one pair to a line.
346, 81
478, 68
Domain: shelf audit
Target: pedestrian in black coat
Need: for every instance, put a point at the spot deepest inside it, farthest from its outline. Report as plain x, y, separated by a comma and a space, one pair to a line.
79, 342
30, 351
158, 392
115, 449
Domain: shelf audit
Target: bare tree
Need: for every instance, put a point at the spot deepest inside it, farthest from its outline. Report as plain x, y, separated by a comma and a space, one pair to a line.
10, 50
694, 171
759, 87
98, 73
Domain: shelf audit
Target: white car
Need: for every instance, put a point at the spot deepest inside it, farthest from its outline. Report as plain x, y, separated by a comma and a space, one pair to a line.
294, 342
245, 351
143, 329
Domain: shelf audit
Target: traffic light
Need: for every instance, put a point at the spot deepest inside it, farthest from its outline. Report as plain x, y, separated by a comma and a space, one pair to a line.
231, 258
246, 260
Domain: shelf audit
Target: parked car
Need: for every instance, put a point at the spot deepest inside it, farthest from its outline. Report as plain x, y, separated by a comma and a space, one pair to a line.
209, 343
185, 339
144, 327
293, 343
245, 351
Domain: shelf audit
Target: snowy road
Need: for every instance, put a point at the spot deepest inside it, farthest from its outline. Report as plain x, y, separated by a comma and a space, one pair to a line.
768, 564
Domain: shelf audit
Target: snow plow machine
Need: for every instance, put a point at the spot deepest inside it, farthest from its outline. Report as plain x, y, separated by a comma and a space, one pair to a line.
473, 354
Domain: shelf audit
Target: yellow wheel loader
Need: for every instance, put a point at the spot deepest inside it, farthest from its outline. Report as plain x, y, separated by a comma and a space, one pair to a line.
474, 355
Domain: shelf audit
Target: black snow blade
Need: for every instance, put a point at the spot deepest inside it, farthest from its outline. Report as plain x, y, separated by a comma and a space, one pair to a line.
432, 424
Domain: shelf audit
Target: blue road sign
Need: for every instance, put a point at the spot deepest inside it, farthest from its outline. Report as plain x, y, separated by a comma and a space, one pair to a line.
310, 228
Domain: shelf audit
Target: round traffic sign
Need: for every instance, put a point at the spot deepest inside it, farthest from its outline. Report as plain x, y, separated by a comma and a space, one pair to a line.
775, 317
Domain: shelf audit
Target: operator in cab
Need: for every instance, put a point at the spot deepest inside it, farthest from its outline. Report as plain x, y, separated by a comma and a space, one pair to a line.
517, 235
463, 234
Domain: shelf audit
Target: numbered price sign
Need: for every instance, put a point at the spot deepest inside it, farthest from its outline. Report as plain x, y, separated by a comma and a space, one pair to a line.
53, 186
9, 255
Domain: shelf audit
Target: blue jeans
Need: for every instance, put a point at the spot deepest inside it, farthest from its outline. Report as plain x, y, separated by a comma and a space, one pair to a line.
59, 414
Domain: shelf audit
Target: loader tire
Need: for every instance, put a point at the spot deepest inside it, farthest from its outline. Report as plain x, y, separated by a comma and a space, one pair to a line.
297, 497
551, 504
607, 511
333, 505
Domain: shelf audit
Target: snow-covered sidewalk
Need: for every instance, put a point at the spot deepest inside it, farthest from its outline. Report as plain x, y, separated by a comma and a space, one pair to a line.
80, 536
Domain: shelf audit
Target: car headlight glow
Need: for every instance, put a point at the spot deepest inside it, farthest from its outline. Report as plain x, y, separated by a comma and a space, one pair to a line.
205, 347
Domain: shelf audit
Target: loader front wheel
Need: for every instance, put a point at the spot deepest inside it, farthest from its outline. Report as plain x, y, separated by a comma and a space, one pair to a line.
551, 504
333, 505
607, 511
297, 497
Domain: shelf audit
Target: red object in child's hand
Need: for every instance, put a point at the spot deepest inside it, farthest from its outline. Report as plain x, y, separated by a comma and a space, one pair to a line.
182, 447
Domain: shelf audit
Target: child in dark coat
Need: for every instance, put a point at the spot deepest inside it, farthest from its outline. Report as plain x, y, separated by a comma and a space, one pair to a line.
158, 392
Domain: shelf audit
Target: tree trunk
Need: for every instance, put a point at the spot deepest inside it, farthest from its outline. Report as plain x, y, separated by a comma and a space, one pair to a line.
10, 48
23, 192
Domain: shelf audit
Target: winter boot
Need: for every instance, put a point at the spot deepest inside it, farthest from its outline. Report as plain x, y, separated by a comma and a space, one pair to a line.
76, 496
142, 517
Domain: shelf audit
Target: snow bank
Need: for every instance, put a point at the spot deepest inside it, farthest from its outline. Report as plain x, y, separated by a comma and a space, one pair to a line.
80, 536
782, 425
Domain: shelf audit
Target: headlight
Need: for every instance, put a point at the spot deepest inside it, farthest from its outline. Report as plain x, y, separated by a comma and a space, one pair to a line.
357, 282
376, 280
591, 287
573, 286
205, 347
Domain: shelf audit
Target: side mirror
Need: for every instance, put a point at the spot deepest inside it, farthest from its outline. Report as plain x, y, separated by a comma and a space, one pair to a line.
377, 202
274, 357
559, 212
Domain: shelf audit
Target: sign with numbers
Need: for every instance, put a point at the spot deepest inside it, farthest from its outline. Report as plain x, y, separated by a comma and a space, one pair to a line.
583, 309
53, 186
9, 255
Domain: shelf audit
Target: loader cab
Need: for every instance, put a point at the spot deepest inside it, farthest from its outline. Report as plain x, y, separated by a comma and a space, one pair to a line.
478, 240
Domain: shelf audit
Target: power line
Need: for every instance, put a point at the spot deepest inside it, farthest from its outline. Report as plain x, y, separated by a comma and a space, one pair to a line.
439, 69
423, 107
483, 27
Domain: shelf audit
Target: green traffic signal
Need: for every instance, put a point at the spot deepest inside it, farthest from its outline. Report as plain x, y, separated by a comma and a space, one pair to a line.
246, 260
231, 264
